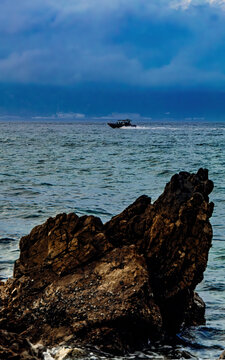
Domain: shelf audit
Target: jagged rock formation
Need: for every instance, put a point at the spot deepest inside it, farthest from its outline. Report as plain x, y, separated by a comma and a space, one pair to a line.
116, 284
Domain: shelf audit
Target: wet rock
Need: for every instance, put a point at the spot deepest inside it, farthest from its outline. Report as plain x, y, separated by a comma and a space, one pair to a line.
68, 353
17, 347
118, 284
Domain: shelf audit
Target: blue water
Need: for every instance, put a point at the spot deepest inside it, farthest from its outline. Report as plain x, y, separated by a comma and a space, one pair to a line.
89, 168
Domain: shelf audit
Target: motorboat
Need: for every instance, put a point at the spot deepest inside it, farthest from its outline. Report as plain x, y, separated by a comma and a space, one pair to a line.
121, 123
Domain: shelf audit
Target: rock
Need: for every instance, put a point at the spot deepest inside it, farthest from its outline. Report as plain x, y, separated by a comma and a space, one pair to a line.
222, 356
14, 346
118, 284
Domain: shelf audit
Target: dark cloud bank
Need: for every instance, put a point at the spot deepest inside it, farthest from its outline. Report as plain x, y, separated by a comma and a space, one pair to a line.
97, 57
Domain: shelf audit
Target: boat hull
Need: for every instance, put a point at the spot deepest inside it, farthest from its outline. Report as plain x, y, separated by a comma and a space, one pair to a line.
117, 126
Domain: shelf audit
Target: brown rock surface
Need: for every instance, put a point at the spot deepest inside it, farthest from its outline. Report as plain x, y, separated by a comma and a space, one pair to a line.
118, 284
17, 347
222, 356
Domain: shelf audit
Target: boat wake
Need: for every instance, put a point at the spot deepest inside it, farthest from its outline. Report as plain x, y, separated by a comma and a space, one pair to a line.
142, 127
137, 127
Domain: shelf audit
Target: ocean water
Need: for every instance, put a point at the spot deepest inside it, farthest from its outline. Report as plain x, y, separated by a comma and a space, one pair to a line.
88, 168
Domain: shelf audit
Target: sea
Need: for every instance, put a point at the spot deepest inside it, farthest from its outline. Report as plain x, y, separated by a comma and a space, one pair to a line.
49, 167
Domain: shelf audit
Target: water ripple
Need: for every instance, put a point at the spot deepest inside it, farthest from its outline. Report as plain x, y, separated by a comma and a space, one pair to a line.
50, 168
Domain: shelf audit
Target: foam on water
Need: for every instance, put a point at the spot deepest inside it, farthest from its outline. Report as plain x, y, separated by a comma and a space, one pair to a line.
139, 127
50, 168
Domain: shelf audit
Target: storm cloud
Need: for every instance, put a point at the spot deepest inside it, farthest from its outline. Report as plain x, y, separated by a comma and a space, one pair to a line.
160, 43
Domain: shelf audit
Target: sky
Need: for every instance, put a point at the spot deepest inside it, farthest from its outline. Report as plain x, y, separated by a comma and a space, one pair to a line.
100, 57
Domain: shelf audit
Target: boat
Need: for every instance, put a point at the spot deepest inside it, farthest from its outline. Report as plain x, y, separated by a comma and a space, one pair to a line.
121, 123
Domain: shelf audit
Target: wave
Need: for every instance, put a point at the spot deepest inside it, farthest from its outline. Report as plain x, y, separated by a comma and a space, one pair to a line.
6, 240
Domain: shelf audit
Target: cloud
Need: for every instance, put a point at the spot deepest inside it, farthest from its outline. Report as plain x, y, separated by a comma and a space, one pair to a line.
61, 116
183, 4
156, 43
